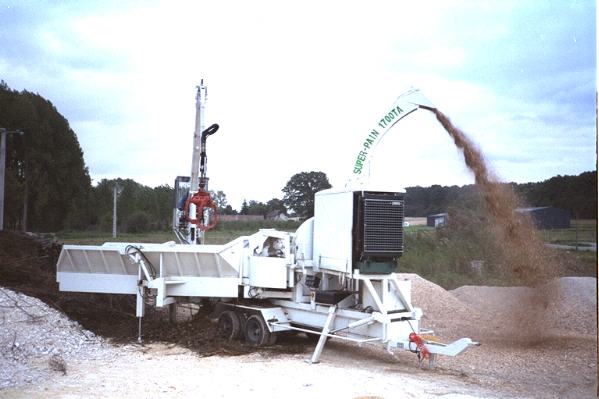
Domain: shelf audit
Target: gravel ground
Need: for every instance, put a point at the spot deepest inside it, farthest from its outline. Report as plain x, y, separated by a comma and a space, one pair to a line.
36, 339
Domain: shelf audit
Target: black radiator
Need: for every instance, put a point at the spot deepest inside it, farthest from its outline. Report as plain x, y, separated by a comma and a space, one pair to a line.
378, 227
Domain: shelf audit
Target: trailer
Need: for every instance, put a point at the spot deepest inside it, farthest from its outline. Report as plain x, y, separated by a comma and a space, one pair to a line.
333, 278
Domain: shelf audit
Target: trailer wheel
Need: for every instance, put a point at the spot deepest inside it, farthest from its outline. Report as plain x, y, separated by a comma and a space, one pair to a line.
256, 331
229, 326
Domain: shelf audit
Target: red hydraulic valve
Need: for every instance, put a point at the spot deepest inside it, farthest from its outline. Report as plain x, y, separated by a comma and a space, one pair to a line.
415, 338
202, 201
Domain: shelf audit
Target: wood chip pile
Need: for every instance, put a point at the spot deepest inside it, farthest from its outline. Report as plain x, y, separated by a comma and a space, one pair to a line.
564, 306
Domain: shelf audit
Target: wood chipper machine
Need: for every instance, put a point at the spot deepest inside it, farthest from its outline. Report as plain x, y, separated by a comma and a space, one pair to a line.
332, 278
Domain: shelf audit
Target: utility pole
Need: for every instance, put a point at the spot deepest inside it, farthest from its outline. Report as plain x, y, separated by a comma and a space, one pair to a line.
3, 133
116, 190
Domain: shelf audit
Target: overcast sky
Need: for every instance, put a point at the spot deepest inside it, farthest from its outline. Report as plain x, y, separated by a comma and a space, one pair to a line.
296, 86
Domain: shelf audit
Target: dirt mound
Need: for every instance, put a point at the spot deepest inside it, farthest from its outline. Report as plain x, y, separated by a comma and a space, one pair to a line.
564, 306
573, 305
28, 264
508, 314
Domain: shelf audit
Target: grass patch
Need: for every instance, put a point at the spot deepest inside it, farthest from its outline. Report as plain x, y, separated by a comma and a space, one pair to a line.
417, 229
444, 256
222, 234
445, 259
580, 231
100, 237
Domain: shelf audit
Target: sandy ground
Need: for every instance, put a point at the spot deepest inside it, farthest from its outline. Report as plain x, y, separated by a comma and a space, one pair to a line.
171, 371
345, 371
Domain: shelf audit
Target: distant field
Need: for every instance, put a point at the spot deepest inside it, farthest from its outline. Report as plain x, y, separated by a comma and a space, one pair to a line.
98, 238
225, 232
580, 231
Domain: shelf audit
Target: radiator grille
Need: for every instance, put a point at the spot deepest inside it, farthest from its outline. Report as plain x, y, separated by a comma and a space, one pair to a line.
383, 226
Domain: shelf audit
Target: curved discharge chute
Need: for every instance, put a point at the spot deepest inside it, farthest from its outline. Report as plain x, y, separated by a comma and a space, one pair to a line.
405, 104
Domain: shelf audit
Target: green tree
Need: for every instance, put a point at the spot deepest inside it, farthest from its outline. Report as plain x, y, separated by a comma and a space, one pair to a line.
164, 199
220, 199
300, 190
229, 210
276, 205
138, 222
256, 208
156, 204
47, 186
244, 208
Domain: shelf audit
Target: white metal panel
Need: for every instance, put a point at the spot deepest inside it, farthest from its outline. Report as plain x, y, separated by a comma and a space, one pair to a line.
177, 260
97, 282
304, 239
217, 287
333, 222
274, 315
405, 104
453, 349
386, 293
268, 272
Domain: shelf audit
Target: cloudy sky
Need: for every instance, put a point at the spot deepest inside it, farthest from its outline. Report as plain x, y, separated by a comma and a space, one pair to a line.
295, 86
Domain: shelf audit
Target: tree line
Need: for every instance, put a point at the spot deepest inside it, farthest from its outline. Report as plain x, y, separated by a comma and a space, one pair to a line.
576, 194
47, 185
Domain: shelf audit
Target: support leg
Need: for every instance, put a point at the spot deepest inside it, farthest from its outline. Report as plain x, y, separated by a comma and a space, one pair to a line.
139, 312
432, 360
323, 338
139, 339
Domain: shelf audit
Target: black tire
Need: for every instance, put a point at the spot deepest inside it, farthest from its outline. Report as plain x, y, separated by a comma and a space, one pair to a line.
256, 331
229, 326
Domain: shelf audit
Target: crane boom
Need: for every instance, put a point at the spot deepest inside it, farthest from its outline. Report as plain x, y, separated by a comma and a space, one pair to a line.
195, 210
201, 97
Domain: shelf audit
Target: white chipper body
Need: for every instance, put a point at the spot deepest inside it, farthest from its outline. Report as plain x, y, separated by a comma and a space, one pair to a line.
333, 278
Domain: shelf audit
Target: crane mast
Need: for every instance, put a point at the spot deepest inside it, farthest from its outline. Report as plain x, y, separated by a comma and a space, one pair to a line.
195, 210
201, 97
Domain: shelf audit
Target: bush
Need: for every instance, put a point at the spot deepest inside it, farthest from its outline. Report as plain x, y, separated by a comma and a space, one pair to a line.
138, 222
444, 255
105, 222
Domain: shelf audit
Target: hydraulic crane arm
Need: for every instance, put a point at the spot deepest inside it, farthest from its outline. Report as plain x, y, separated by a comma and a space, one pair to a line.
203, 157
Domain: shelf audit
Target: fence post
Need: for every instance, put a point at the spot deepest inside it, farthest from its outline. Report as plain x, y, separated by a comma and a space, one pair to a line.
576, 220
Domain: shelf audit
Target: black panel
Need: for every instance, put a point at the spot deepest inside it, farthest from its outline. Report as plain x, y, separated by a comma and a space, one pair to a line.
331, 297
378, 226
